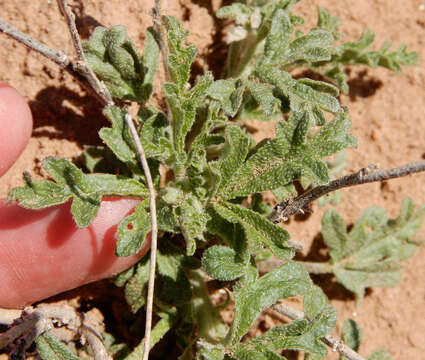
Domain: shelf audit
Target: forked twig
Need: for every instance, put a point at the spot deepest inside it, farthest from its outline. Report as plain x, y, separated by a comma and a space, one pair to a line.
154, 233
57, 57
284, 210
81, 64
335, 343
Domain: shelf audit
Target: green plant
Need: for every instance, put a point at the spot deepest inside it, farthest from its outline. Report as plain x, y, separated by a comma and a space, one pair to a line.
211, 218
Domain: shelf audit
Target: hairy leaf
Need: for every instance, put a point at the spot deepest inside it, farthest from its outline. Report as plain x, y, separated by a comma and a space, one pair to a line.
328, 22
290, 155
132, 231
253, 294
209, 351
155, 135
257, 228
235, 152
135, 288
352, 334
223, 263
193, 219
70, 182
173, 286
263, 95
113, 57
370, 253
228, 93
51, 349
296, 92
297, 335
118, 138
180, 58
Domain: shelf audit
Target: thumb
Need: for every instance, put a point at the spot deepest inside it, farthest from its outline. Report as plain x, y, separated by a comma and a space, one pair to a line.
15, 126
43, 253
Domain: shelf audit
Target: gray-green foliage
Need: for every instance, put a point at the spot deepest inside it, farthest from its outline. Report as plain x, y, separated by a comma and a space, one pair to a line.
370, 253
51, 349
352, 335
211, 213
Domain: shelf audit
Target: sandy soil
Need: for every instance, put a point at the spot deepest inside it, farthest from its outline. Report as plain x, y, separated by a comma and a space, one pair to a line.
387, 112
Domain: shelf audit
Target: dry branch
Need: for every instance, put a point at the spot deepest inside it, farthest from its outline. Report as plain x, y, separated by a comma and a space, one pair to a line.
57, 57
285, 209
81, 64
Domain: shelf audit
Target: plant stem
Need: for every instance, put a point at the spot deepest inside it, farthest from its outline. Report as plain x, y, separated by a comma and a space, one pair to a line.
95, 341
160, 8
335, 343
317, 267
154, 233
58, 57
285, 209
81, 64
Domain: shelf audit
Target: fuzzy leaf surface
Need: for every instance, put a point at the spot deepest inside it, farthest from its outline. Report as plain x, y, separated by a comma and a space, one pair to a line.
51, 349
86, 190
297, 335
132, 231
257, 228
253, 294
229, 93
292, 154
370, 253
135, 288
352, 334
263, 95
113, 57
155, 135
222, 263
299, 94
193, 219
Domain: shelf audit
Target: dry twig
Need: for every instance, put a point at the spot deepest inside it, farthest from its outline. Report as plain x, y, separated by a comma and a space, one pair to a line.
285, 209
329, 340
154, 235
32, 323
81, 64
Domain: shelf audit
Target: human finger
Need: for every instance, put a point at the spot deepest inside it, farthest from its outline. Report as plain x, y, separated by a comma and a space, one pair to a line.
43, 253
15, 126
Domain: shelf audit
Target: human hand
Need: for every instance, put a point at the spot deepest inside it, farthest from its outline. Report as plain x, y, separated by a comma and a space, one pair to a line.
43, 253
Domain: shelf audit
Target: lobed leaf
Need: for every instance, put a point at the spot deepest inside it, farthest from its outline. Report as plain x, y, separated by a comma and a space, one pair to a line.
257, 228
156, 134
113, 57
296, 92
86, 190
289, 156
301, 335
370, 253
253, 294
263, 95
